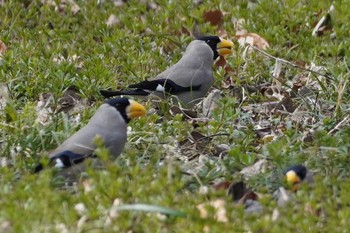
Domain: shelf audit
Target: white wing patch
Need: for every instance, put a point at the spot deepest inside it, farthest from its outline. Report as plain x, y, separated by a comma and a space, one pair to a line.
59, 163
160, 88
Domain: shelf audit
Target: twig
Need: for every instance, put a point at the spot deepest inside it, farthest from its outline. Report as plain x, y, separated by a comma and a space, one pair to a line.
337, 127
289, 63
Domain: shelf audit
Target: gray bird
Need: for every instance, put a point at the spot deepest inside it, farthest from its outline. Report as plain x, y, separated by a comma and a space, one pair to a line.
109, 122
189, 79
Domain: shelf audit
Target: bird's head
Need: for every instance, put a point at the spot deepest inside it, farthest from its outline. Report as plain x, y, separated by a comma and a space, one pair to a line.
129, 109
294, 175
220, 46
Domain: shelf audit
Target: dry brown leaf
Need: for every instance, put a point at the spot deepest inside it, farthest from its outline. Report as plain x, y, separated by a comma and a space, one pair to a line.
252, 39
214, 17
237, 190
285, 105
222, 185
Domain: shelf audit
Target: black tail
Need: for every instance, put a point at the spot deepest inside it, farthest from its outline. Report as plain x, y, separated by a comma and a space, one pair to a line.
63, 160
108, 93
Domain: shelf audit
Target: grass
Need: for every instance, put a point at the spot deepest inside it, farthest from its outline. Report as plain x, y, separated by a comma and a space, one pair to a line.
153, 169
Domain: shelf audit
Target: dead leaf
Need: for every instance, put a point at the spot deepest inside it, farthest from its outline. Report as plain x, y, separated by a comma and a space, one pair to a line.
249, 195
214, 17
252, 39
71, 102
44, 109
285, 105
237, 190
223, 185
208, 105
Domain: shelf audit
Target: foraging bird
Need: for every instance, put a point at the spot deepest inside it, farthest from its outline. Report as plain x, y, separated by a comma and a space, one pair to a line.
296, 174
109, 122
189, 79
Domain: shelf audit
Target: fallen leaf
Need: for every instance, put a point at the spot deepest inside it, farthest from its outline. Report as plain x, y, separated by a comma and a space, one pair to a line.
210, 103
237, 190
285, 105
222, 185
252, 39
44, 109
214, 17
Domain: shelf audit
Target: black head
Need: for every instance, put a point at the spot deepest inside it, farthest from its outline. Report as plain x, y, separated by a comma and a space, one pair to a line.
300, 170
212, 41
121, 104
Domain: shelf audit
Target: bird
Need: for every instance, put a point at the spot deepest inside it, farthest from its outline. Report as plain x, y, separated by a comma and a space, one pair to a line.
296, 174
293, 175
109, 122
189, 79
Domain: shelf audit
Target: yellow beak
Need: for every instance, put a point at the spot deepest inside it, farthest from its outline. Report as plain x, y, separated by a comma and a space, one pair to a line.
292, 179
224, 47
135, 110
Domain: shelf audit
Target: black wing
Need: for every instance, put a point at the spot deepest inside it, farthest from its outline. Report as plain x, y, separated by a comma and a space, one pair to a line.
67, 159
169, 86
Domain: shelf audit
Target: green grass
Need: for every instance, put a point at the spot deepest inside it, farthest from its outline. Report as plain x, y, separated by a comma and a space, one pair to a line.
151, 169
